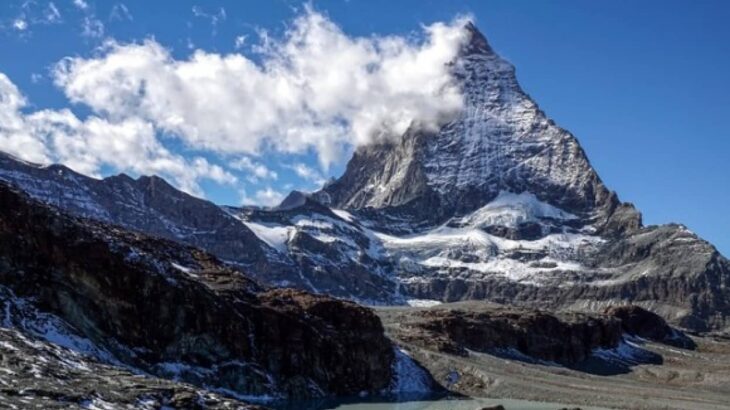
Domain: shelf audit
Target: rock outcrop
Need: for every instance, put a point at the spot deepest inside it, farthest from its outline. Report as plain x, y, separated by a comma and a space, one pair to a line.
566, 338
177, 312
586, 342
639, 322
501, 142
502, 204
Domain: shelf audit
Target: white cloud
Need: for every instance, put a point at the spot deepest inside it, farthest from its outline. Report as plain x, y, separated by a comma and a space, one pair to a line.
214, 18
129, 144
239, 42
15, 137
314, 89
20, 24
92, 27
81, 4
52, 14
309, 174
256, 170
33, 13
120, 12
264, 197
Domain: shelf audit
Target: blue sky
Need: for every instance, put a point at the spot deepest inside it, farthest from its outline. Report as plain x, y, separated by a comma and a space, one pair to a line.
643, 85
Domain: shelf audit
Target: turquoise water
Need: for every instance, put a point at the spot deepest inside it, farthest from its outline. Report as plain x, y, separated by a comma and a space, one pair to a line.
435, 404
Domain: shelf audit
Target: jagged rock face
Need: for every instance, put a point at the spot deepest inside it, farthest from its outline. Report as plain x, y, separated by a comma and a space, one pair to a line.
331, 253
147, 204
152, 206
500, 142
177, 312
502, 204
666, 269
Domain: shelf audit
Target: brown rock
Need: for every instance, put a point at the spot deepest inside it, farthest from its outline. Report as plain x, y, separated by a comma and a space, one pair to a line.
495, 407
640, 322
152, 301
565, 338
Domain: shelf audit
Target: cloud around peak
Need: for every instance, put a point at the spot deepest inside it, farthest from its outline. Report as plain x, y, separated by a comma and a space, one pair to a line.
312, 90
315, 88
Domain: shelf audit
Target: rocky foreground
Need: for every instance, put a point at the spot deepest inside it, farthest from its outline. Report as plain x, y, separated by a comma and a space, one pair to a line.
159, 308
43, 375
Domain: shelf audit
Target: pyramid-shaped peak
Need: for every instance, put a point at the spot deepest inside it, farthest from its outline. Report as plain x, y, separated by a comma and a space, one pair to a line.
500, 141
477, 43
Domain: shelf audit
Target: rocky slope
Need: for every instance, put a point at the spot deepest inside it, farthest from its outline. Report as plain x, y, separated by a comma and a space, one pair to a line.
499, 204
330, 253
152, 206
157, 307
566, 338
147, 204
43, 375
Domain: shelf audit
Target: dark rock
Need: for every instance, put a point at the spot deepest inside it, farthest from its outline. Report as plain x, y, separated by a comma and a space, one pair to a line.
567, 339
495, 407
151, 301
640, 322
295, 199
38, 374
152, 206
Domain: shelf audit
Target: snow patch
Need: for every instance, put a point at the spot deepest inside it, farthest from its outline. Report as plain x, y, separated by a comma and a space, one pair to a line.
21, 314
510, 210
423, 302
627, 352
184, 269
273, 235
475, 251
344, 215
97, 404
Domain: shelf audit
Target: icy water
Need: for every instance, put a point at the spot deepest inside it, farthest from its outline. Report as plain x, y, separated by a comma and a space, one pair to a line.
465, 404
438, 404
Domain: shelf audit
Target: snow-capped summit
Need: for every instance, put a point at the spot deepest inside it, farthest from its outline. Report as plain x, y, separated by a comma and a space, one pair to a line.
501, 141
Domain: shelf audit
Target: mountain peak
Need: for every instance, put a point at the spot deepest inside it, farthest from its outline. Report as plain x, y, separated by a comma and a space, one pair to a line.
501, 141
477, 43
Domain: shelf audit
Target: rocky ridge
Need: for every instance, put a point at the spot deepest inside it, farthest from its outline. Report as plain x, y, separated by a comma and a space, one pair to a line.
152, 206
160, 308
